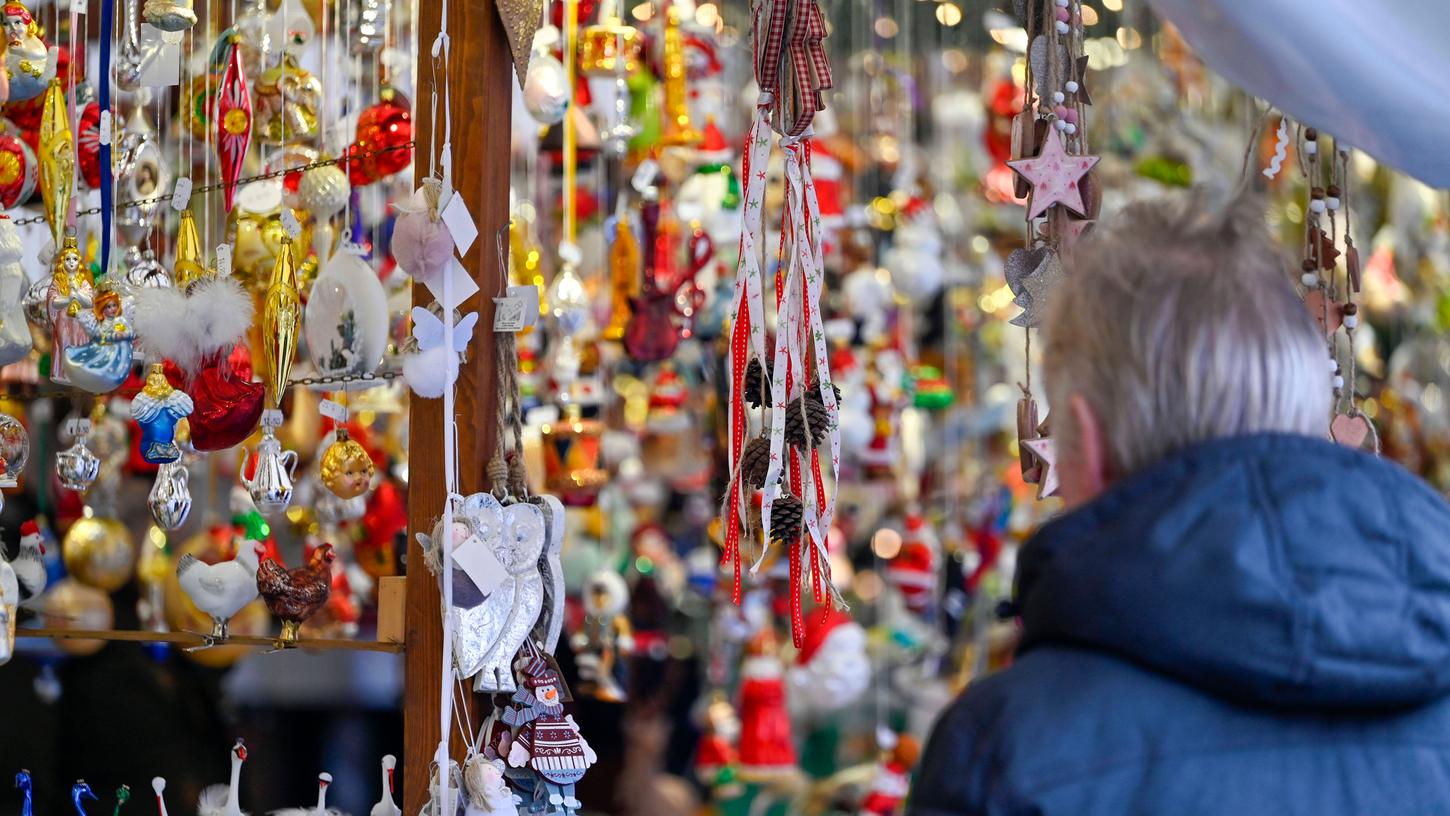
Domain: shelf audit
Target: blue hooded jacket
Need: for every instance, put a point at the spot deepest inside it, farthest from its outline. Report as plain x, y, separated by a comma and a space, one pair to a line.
1256, 625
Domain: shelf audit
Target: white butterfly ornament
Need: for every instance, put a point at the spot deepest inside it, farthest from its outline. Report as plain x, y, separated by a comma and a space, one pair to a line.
433, 368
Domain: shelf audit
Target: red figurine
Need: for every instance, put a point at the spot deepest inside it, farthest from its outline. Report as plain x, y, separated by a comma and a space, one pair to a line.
766, 746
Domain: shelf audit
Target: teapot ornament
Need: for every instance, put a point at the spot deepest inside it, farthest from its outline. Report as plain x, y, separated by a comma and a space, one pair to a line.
270, 485
158, 409
76, 466
170, 498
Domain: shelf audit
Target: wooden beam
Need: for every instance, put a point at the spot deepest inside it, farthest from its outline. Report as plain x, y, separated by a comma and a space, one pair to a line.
197, 639
481, 82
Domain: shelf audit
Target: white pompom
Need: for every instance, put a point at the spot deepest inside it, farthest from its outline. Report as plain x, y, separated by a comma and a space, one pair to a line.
1062, 27
1059, 97
1309, 279
1332, 202
1333, 364
1338, 381
1317, 206
1070, 128
1351, 321
431, 371
1071, 86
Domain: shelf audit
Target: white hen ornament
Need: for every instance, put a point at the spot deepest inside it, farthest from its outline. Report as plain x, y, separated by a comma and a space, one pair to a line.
221, 589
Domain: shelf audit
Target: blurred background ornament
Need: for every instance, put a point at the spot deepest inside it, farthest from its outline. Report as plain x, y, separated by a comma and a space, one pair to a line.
572, 450
169, 15
76, 466
257, 229
346, 323
72, 604
380, 144
546, 94
287, 100
15, 340
14, 450
609, 47
98, 552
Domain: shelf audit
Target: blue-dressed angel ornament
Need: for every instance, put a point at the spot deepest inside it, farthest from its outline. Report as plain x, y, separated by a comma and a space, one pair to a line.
101, 365
158, 409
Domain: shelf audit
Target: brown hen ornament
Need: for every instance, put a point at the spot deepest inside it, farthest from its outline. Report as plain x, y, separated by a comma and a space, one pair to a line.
295, 595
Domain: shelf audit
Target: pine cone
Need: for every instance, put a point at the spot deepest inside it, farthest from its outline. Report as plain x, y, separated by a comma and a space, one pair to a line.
797, 412
816, 389
755, 383
786, 516
755, 462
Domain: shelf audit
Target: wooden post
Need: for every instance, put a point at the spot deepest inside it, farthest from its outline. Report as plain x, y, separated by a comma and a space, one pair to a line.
481, 81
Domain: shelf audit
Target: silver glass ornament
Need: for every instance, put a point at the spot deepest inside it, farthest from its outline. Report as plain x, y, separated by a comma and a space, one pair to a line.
143, 271
141, 176
34, 304
77, 466
323, 191
169, 15
131, 58
170, 499
271, 484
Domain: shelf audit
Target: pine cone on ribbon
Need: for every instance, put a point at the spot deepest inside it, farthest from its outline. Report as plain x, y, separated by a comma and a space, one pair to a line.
816, 389
755, 383
755, 462
786, 518
802, 412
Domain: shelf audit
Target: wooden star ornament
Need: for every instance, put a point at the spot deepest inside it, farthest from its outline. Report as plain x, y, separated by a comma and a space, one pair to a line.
1055, 176
1045, 449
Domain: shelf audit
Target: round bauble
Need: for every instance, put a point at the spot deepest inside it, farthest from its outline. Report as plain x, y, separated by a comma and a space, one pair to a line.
323, 191
346, 322
546, 94
99, 552
19, 171
71, 604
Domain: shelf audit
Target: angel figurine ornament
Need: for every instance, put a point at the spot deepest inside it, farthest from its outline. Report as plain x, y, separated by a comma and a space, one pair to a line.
70, 292
29, 65
158, 409
102, 364
432, 367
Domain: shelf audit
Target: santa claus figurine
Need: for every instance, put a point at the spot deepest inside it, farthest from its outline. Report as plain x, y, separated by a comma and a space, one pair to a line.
892, 779
547, 740
832, 669
715, 757
766, 748
914, 570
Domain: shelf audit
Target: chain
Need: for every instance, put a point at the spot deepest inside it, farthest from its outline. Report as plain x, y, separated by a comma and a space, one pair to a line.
374, 377
213, 187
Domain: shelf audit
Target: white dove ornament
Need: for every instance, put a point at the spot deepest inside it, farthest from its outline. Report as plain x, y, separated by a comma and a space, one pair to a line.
434, 367
520, 596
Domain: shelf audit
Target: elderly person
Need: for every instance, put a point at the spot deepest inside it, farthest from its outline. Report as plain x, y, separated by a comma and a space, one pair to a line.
1235, 615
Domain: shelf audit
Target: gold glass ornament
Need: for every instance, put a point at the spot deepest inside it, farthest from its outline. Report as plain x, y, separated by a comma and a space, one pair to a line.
346, 468
57, 159
98, 552
276, 123
169, 15
255, 228
71, 604
281, 322
200, 98
610, 47
190, 263
678, 131
624, 271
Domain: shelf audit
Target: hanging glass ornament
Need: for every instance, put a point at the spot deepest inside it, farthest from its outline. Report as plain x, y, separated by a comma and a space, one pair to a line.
568, 299
19, 170
14, 450
76, 466
281, 319
346, 468
379, 147
98, 552
88, 145
169, 15
158, 409
142, 175
143, 271
170, 498
546, 91
323, 191
288, 98
679, 130
347, 318
104, 361
189, 266
256, 224
234, 121
610, 47
70, 292
30, 65
272, 469
57, 160
200, 100
624, 270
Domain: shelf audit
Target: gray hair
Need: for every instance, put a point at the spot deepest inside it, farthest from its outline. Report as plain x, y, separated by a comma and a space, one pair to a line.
1179, 324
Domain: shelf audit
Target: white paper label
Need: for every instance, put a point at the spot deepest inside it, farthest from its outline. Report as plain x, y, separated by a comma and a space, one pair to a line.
289, 223
530, 295
181, 196
105, 128
508, 314
78, 6
164, 69
461, 285
224, 259
78, 426
332, 410
480, 564
459, 222
272, 418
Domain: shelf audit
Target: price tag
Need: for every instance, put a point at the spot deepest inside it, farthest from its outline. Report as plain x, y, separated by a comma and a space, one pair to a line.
77, 426
105, 128
272, 418
459, 222
529, 294
461, 285
480, 564
332, 410
508, 314
164, 68
181, 196
644, 175
78, 6
224, 259
289, 223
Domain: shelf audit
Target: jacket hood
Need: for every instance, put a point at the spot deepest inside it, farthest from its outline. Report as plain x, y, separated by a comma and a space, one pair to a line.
1269, 568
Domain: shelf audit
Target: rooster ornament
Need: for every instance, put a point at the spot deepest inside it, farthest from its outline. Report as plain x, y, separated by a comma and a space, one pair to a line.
295, 595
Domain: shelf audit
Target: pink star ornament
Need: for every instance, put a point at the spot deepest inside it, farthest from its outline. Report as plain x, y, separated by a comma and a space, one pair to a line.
1046, 452
1055, 176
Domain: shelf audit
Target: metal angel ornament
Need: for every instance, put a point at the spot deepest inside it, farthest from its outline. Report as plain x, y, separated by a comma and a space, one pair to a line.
158, 409
103, 363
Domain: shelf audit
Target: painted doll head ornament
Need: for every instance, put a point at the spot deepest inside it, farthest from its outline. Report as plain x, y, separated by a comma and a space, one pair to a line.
347, 470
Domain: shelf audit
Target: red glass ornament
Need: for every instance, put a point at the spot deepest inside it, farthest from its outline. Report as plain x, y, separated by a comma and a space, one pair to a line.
19, 171
233, 119
387, 124
88, 145
228, 403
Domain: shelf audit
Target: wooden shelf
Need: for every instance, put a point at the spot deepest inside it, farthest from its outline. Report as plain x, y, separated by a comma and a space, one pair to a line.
194, 639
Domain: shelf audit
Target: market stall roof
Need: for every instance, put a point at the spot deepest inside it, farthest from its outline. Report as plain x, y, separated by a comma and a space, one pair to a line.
1375, 74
